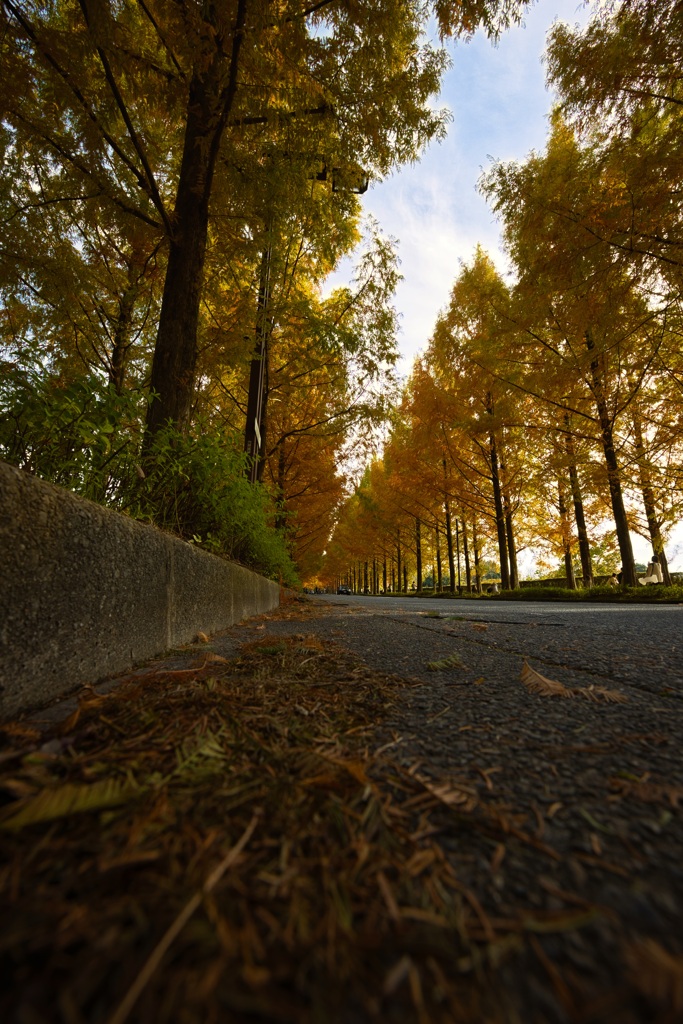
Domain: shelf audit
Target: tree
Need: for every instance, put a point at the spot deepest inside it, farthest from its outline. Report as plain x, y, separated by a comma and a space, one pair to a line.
93, 84
619, 83
585, 317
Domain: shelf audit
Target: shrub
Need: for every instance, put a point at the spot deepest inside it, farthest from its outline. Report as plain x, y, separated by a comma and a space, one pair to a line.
82, 435
196, 486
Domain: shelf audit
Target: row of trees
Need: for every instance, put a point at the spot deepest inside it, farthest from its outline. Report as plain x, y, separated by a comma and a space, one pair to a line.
178, 181
544, 408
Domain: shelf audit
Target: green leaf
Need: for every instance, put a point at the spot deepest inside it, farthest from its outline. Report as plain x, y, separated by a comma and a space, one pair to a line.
51, 804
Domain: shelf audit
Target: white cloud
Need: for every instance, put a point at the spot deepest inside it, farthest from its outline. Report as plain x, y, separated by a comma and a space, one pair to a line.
500, 106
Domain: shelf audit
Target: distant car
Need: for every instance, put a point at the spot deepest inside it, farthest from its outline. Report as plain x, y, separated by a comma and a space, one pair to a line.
343, 590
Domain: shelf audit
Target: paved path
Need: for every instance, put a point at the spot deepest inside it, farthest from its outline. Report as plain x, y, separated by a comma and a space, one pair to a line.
588, 792
561, 820
633, 645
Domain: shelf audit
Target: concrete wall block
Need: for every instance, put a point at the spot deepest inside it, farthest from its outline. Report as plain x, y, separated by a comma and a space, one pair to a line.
86, 592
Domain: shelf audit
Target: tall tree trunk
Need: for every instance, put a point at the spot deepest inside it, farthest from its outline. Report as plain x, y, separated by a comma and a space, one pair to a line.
500, 515
405, 577
384, 574
613, 473
210, 100
512, 547
122, 341
577, 499
393, 577
449, 548
475, 544
449, 530
466, 552
398, 555
509, 527
365, 578
457, 552
256, 420
649, 496
566, 536
418, 553
439, 572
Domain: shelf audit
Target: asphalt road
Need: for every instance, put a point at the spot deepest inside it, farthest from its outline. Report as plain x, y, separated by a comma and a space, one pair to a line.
638, 645
575, 820
500, 611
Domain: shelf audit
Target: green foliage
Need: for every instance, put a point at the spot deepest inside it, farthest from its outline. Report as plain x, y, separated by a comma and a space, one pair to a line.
195, 485
84, 436
78, 434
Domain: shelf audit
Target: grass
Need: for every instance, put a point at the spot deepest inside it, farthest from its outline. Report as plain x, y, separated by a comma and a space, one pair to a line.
604, 595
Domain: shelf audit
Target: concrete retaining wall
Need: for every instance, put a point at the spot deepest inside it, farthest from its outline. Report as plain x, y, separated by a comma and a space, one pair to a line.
86, 592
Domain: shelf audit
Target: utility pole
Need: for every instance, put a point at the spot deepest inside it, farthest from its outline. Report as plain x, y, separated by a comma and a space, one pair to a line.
253, 440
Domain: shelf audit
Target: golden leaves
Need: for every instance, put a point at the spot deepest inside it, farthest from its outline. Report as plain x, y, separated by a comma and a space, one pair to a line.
544, 687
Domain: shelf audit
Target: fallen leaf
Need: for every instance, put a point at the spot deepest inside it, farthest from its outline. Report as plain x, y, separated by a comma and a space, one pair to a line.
648, 792
452, 661
452, 795
498, 857
544, 687
548, 922
389, 898
536, 683
59, 802
601, 693
202, 638
211, 658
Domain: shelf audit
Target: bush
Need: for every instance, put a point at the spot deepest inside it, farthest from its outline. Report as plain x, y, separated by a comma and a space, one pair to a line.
78, 434
196, 486
82, 435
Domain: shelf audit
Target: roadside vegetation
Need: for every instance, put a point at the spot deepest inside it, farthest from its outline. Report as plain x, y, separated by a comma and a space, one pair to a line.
178, 182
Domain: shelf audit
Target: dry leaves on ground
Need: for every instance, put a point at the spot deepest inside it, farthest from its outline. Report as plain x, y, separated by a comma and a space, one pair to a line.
222, 844
111, 838
544, 687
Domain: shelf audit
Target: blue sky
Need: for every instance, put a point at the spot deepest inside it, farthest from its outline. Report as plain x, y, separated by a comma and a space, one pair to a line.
500, 106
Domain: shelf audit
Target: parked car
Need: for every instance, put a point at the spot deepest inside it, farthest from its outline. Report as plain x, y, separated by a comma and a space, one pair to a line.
343, 590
